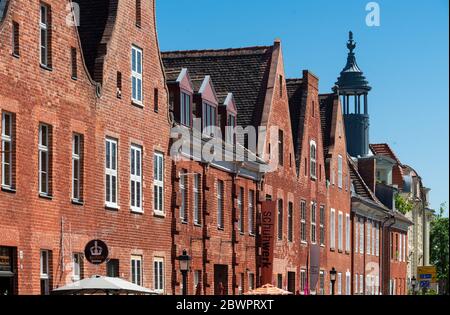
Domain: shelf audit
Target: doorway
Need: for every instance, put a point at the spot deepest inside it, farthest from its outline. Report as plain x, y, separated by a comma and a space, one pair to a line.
291, 282
220, 280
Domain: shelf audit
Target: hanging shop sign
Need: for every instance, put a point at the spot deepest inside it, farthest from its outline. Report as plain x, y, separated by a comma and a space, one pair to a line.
96, 252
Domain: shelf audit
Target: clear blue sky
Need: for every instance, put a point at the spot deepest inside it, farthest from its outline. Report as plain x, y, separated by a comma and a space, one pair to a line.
405, 60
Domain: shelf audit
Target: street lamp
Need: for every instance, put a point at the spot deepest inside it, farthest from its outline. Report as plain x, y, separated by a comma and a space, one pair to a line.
413, 284
332, 279
185, 261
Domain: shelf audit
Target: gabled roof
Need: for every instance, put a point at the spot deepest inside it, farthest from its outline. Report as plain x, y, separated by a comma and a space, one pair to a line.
297, 108
326, 102
241, 71
384, 149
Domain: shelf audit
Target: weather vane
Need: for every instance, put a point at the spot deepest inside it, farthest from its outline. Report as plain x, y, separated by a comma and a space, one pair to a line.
351, 45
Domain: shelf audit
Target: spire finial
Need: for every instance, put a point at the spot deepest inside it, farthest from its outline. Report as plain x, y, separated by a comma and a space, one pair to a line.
351, 45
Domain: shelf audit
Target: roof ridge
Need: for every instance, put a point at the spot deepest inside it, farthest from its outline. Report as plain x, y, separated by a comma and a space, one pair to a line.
166, 54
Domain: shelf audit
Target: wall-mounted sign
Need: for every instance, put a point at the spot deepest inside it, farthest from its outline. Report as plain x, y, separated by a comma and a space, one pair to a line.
5, 259
267, 240
427, 273
96, 252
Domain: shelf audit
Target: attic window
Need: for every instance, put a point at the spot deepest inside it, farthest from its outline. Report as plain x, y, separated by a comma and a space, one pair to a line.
281, 147
185, 109
281, 86
209, 118
15, 39
73, 57
138, 13
119, 84
231, 123
313, 109
156, 100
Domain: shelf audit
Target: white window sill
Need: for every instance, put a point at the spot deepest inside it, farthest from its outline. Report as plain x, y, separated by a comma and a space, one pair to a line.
159, 214
75, 278
137, 103
44, 277
137, 210
112, 206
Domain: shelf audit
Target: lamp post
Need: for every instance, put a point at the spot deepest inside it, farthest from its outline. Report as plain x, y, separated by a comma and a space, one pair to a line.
332, 279
185, 261
413, 284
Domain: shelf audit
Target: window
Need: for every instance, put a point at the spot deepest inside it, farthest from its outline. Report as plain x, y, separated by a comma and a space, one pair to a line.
136, 178
356, 233
45, 261
112, 268
368, 285
119, 84
197, 281
111, 173
155, 100
197, 204
313, 223
158, 276
361, 284
347, 233
361, 236
158, 183
16, 39
377, 285
290, 222
7, 149
303, 221
77, 261
339, 283
280, 147
356, 284
333, 229
138, 13
302, 281
347, 284
313, 160
45, 35
77, 167
220, 191
322, 282
230, 131
136, 75
136, 270
241, 284
400, 255
251, 281
279, 281
374, 229
251, 212
280, 219
340, 231
368, 234
322, 225
377, 241
281, 85
240, 204
340, 171
185, 110
209, 118
44, 159
74, 64
184, 196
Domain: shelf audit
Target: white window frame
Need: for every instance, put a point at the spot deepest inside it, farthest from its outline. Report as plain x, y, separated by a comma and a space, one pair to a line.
347, 233
76, 266
136, 178
137, 278
333, 229
356, 284
44, 270
197, 199
240, 204
290, 223
43, 28
251, 212
339, 283
302, 281
7, 139
111, 171
361, 284
209, 114
197, 278
322, 218
76, 160
303, 236
251, 281
400, 239
368, 284
356, 227
377, 285
185, 109
313, 222
340, 231
377, 241
44, 150
374, 227
184, 197
158, 275
322, 282
348, 289
158, 183
361, 235
220, 205
313, 159
136, 75
340, 171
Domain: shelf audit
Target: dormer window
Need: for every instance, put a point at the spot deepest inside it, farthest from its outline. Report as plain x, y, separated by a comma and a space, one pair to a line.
231, 123
209, 118
185, 109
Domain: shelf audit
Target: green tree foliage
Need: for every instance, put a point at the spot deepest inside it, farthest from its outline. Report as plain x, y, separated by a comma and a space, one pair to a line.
403, 205
439, 238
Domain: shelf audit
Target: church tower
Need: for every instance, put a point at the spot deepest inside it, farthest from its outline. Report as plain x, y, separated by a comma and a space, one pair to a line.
353, 89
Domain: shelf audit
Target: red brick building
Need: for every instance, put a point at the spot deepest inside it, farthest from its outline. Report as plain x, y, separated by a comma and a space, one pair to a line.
80, 157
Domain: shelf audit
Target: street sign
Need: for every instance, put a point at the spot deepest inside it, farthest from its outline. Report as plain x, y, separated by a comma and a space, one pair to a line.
425, 284
427, 273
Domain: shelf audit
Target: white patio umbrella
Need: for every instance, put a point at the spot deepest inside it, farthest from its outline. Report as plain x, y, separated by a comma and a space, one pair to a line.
102, 285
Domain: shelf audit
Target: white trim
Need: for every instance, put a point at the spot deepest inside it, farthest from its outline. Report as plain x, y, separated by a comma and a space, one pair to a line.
44, 150
158, 183
313, 160
313, 220
197, 199
158, 275
137, 75
340, 231
76, 158
43, 27
111, 171
133, 263
76, 266
340, 171
347, 233
7, 138
303, 236
333, 229
44, 271
136, 178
